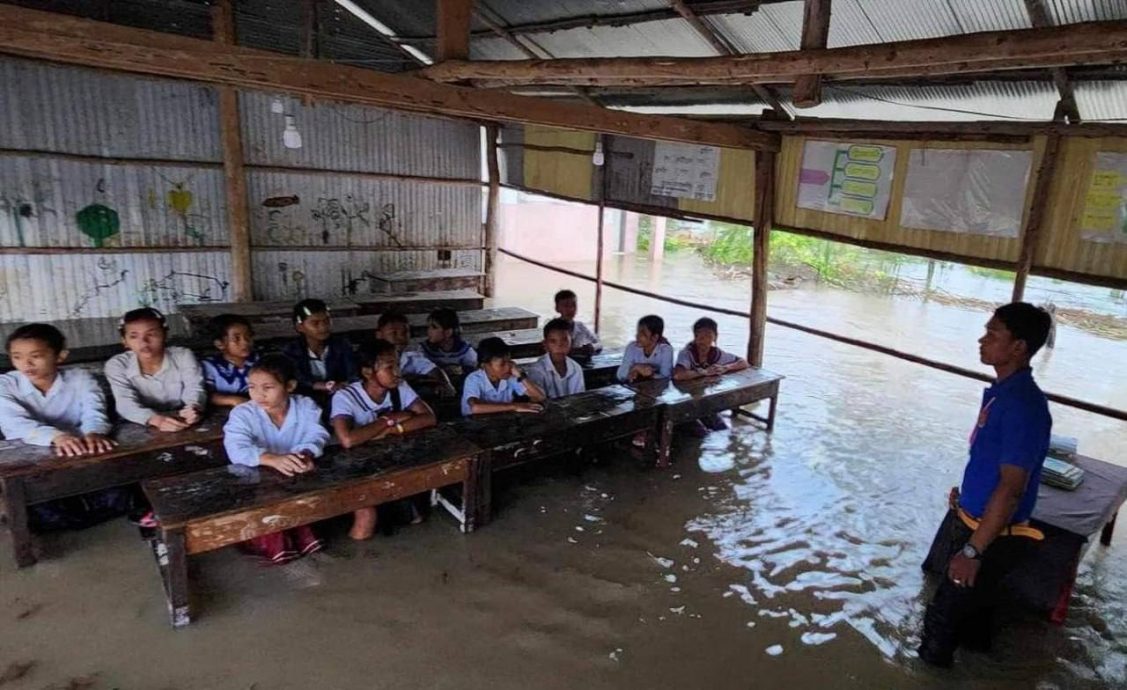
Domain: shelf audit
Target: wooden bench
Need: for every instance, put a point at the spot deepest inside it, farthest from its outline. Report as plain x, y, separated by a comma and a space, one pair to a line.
33, 474
576, 421
93, 339
420, 302
434, 279
482, 321
208, 510
684, 401
524, 343
199, 316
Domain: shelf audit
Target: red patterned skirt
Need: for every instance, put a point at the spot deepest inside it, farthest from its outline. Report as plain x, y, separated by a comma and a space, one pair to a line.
282, 547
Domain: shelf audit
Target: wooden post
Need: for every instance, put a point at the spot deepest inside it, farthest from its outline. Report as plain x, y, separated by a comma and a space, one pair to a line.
453, 29
601, 186
764, 215
1038, 210
815, 32
492, 208
230, 130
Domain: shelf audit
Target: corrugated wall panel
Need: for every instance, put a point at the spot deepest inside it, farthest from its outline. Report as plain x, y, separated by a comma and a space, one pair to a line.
787, 213
81, 111
735, 188
562, 173
295, 275
344, 137
68, 286
1063, 246
343, 210
41, 199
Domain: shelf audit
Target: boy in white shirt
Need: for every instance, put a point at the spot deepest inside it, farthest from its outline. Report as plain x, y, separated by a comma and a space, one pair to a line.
491, 389
556, 373
584, 342
413, 364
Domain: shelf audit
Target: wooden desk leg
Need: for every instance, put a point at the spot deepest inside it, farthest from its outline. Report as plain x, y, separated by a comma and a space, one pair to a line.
15, 509
1108, 530
471, 497
484, 508
664, 439
174, 568
771, 412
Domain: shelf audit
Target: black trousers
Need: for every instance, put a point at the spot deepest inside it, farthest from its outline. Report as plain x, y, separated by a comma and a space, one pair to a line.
964, 615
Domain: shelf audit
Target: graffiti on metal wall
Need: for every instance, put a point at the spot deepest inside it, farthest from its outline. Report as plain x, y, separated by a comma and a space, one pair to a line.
337, 217
174, 287
350, 285
21, 210
109, 277
333, 220
180, 200
293, 280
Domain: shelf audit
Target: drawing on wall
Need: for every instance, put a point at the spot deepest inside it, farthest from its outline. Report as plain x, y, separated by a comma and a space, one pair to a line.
178, 287
109, 278
350, 285
281, 201
388, 224
280, 228
336, 216
686, 171
98, 222
296, 276
850, 179
180, 199
1105, 205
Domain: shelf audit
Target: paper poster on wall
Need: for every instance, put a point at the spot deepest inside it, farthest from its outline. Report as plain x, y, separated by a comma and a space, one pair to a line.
969, 191
851, 179
686, 171
1105, 205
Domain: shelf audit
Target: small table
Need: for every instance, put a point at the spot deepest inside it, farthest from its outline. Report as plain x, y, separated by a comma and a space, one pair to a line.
684, 401
34, 474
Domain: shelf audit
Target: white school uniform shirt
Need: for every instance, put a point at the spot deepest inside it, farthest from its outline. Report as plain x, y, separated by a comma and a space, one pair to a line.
353, 401
177, 384
661, 359
249, 432
415, 363
581, 335
73, 404
479, 386
687, 358
543, 373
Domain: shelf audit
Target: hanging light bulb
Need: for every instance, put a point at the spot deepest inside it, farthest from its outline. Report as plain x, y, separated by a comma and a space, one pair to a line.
291, 138
598, 159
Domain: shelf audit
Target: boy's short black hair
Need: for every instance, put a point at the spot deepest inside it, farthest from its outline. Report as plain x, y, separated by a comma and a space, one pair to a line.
1026, 322
142, 314
705, 322
389, 317
43, 332
447, 319
223, 323
557, 325
490, 349
372, 351
279, 366
562, 295
653, 323
308, 307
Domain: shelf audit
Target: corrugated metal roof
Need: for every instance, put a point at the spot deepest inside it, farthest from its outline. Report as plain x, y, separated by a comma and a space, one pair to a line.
978, 101
185, 17
1075, 11
1101, 100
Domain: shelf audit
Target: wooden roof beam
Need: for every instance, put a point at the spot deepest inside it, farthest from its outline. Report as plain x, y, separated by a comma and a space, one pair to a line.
1066, 108
724, 47
1091, 43
453, 29
815, 33
87, 43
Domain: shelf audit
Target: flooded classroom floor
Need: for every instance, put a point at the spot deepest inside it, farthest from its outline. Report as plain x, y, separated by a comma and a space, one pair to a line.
755, 561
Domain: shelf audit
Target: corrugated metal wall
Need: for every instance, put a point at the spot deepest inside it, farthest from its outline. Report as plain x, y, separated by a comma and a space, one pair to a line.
80, 147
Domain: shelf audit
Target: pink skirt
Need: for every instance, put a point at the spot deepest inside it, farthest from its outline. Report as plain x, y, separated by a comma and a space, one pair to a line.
282, 547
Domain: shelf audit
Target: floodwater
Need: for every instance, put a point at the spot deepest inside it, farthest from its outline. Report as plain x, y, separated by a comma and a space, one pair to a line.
756, 561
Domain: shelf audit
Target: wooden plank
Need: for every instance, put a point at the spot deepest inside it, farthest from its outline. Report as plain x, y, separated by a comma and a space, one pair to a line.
815, 32
1038, 212
430, 280
483, 320
453, 30
764, 217
524, 343
1091, 43
420, 302
77, 41
15, 514
199, 316
492, 208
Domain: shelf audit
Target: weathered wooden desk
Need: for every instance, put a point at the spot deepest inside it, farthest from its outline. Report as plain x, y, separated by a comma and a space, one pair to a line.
684, 401
524, 343
482, 320
33, 474
199, 316
420, 302
577, 421
207, 510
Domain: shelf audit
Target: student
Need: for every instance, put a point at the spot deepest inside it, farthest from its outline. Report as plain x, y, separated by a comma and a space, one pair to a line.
43, 405
556, 373
394, 328
584, 342
650, 356
444, 345
155, 385
701, 358
282, 431
491, 388
324, 361
225, 372
381, 404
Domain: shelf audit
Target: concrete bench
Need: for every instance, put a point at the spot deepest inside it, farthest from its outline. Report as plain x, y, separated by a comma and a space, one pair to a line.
208, 510
33, 474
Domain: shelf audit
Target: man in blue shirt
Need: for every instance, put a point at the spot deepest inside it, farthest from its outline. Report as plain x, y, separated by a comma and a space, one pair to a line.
986, 527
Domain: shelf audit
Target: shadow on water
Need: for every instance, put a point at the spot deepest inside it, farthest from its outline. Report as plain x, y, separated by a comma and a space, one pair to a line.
827, 520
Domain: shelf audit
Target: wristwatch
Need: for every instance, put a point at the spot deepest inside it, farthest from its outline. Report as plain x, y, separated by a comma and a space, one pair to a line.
970, 552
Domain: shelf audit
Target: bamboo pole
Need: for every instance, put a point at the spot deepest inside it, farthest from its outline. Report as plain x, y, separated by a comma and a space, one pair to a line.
764, 215
492, 208
1038, 210
601, 181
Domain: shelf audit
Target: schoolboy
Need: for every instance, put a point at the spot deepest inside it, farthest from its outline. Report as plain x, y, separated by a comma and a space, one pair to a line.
555, 373
584, 342
491, 388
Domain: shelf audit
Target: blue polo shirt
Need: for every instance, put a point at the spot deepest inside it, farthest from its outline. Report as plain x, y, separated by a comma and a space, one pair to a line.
1013, 429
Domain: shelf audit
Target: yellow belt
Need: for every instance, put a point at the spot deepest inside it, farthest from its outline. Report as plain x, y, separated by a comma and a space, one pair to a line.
1021, 529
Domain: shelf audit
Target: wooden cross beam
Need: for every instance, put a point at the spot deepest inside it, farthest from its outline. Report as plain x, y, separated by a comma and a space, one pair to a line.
76, 41
1091, 43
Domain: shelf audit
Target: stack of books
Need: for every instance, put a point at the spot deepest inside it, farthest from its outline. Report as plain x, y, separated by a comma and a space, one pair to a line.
1061, 474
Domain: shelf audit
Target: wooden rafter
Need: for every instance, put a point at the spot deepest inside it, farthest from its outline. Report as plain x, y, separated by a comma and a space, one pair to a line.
724, 47
815, 33
1091, 43
84, 42
453, 30
1066, 108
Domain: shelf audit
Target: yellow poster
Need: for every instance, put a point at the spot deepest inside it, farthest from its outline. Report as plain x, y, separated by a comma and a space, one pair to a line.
1105, 205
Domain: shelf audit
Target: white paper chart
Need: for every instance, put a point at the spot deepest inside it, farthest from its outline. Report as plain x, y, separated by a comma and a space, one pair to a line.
850, 179
976, 191
1105, 205
685, 171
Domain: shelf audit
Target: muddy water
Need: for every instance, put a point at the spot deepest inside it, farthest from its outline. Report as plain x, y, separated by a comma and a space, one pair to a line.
755, 562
